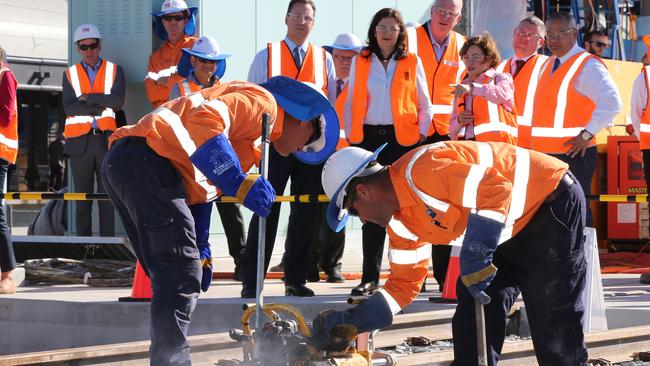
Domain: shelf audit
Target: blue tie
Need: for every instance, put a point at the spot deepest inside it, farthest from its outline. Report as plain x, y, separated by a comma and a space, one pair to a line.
297, 56
556, 64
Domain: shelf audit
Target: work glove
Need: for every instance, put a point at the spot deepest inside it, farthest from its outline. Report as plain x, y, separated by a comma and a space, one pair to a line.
217, 160
480, 242
206, 266
371, 314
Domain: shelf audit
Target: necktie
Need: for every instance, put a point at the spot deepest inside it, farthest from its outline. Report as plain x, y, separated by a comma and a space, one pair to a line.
518, 65
339, 86
297, 56
556, 64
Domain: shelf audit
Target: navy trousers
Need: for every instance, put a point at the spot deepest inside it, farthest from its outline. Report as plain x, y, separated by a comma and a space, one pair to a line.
149, 196
7, 259
583, 168
546, 262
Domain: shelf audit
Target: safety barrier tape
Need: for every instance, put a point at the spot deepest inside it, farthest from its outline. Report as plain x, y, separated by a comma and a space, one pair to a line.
303, 198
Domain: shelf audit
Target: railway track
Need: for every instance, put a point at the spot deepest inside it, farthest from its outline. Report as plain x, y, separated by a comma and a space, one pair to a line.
615, 345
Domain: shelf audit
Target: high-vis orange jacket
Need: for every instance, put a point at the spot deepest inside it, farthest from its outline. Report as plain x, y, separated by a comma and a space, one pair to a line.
403, 99
560, 112
176, 129
439, 74
76, 126
525, 89
439, 185
162, 63
492, 122
9, 133
187, 86
339, 106
312, 70
644, 125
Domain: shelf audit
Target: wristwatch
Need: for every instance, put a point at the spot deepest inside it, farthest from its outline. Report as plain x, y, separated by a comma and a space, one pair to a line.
586, 135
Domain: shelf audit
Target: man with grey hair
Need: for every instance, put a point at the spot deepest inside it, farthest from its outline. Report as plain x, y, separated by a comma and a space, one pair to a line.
525, 67
575, 99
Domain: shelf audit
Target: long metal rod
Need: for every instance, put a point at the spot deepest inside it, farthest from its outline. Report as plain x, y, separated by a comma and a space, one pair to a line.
261, 236
481, 343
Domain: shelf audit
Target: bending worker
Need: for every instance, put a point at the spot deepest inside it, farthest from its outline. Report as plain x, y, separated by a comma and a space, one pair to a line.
189, 151
522, 212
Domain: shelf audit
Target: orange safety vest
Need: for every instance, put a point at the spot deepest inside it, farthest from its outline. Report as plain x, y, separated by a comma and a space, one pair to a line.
525, 89
312, 70
9, 133
163, 63
76, 126
439, 74
339, 106
439, 185
644, 127
178, 128
187, 86
492, 122
560, 112
403, 99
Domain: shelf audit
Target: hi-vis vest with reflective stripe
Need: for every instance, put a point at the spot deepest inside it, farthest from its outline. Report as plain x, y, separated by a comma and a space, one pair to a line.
9, 134
525, 89
439, 74
187, 86
312, 70
176, 129
403, 99
339, 106
76, 126
492, 122
644, 127
560, 112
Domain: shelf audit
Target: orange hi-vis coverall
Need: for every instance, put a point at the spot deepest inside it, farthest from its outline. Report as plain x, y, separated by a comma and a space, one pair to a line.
439, 185
177, 128
162, 63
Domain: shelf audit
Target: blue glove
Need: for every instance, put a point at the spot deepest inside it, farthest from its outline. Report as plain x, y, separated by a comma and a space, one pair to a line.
476, 268
201, 212
371, 314
206, 266
217, 160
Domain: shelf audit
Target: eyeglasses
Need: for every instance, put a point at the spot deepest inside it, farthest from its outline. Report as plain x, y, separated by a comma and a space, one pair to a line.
344, 58
466, 58
599, 44
387, 29
556, 36
206, 61
316, 132
301, 18
86, 47
444, 13
350, 196
177, 18
520, 33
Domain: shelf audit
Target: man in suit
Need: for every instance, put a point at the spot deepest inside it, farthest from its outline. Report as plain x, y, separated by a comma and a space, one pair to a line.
93, 90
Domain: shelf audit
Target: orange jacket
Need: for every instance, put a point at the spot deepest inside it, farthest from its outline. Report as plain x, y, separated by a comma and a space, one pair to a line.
312, 70
162, 63
644, 126
339, 106
438, 185
76, 126
439, 74
525, 89
492, 122
403, 98
187, 86
9, 133
180, 126
560, 112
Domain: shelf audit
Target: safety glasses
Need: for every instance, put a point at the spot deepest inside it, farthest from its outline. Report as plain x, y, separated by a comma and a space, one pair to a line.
206, 61
599, 44
177, 18
316, 134
86, 47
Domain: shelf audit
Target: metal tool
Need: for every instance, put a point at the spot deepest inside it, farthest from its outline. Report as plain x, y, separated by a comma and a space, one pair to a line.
481, 343
261, 237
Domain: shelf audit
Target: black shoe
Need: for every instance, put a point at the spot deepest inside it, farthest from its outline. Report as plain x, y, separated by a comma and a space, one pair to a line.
314, 277
364, 289
247, 292
298, 290
335, 276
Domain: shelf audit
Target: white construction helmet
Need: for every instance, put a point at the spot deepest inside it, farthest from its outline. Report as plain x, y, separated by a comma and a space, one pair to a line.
339, 170
347, 42
86, 31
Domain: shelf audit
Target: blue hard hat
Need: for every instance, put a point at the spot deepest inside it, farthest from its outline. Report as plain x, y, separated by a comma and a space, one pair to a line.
305, 102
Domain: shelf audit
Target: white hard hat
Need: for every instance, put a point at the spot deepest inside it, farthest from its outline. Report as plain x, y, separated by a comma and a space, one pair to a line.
208, 48
347, 42
339, 170
173, 6
86, 31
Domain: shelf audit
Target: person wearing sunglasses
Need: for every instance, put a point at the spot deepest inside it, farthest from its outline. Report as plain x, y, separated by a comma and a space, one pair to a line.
388, 102
299, 59
93, 91
575, 99
522, 214
596, 42
175, 24
188, 152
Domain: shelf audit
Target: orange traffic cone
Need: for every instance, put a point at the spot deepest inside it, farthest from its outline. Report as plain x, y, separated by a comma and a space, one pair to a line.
453, 272
141, 290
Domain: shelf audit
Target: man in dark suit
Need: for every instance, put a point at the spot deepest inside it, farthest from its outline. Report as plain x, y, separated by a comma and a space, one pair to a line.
93, 90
